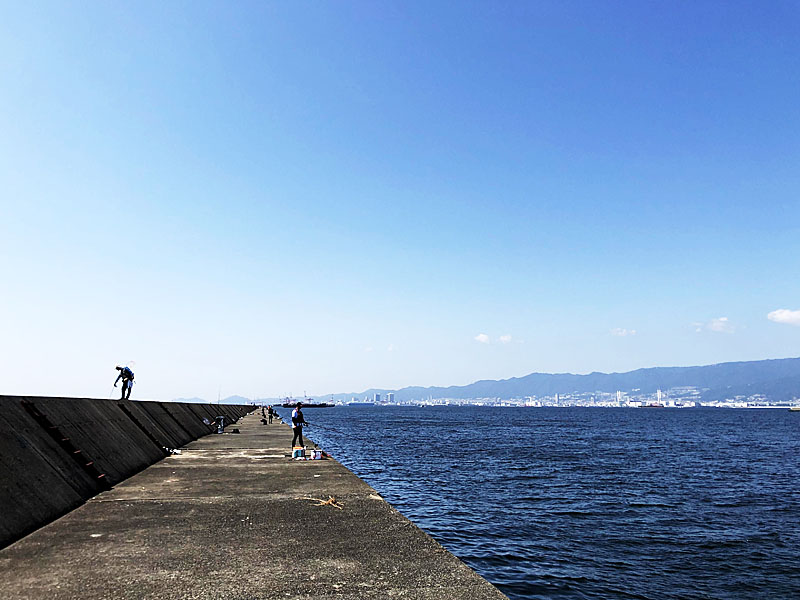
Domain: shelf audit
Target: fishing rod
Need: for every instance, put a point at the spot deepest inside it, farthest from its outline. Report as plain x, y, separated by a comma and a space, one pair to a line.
356, 434
333, 429
288, 421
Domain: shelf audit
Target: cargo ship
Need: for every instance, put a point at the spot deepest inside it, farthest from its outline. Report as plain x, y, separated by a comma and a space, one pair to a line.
307, 404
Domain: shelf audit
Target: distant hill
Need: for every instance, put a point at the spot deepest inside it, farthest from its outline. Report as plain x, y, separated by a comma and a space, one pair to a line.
235, 400
778, 379
228, 400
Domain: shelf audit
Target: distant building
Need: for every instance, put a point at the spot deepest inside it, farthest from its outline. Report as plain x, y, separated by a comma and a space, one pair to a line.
377, 397
390, 397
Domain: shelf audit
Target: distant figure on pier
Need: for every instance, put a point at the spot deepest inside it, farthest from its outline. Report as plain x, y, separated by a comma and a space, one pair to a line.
127, 381
270, 412
298, 420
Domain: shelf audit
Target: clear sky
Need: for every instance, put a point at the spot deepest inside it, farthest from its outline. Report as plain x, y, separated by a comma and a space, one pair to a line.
265, 198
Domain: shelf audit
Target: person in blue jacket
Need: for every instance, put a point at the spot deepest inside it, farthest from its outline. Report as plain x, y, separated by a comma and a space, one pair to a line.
127, 381
298, 420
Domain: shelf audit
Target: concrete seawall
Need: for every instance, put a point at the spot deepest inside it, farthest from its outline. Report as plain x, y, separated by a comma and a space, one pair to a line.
233, 517
55, 453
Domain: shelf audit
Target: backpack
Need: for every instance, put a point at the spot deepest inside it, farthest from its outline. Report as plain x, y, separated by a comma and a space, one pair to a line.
127, 373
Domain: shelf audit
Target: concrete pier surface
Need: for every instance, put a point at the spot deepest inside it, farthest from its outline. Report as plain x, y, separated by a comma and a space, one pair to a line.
232, 517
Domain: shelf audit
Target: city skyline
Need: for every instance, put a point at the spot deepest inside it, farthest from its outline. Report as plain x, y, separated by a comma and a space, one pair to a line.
266, 198
755, 384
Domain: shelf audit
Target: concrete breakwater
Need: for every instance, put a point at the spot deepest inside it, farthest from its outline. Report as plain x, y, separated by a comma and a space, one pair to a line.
55, 453
233, 517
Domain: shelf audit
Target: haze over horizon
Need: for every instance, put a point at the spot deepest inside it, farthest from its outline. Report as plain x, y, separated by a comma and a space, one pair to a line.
264, 199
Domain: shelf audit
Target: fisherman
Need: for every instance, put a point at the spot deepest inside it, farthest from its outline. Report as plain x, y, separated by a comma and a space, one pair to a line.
127, 381
298, 420
270, 412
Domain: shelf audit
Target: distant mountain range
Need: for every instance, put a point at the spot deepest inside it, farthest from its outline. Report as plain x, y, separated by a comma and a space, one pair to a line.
777, 379
228, 400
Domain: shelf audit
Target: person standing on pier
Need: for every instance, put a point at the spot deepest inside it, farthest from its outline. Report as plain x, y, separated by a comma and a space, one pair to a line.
298, 420
127, 381
270, 412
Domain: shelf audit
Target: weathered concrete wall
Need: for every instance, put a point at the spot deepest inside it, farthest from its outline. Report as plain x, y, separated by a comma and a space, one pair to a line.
55, 453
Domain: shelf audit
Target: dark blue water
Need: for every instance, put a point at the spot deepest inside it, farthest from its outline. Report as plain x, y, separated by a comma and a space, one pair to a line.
591, 502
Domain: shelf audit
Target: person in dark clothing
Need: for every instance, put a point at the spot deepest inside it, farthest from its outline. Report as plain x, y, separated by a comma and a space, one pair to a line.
298, 420
127, 381
270, 412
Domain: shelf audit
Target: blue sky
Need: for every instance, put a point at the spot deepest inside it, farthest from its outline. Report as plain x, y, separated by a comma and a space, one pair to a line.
271, 198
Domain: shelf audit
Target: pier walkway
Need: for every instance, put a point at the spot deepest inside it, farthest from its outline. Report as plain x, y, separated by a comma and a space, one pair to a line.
232, 517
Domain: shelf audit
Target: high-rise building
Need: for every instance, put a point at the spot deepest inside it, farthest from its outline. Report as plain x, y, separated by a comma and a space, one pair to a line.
390, 397
377, 397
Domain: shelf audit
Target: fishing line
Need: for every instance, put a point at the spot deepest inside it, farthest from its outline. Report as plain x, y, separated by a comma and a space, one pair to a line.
333, 429
288, 420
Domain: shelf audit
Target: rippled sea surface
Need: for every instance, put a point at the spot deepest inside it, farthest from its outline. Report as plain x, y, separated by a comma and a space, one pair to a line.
591, 502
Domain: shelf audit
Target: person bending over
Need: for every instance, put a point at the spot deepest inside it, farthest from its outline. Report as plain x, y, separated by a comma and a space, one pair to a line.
127, 381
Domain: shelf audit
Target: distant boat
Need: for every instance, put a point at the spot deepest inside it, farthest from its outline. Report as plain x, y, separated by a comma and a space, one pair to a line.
307, 404
652, 405
795, 408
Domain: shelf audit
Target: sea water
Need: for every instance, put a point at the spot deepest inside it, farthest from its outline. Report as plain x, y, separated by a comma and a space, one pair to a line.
591, 502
